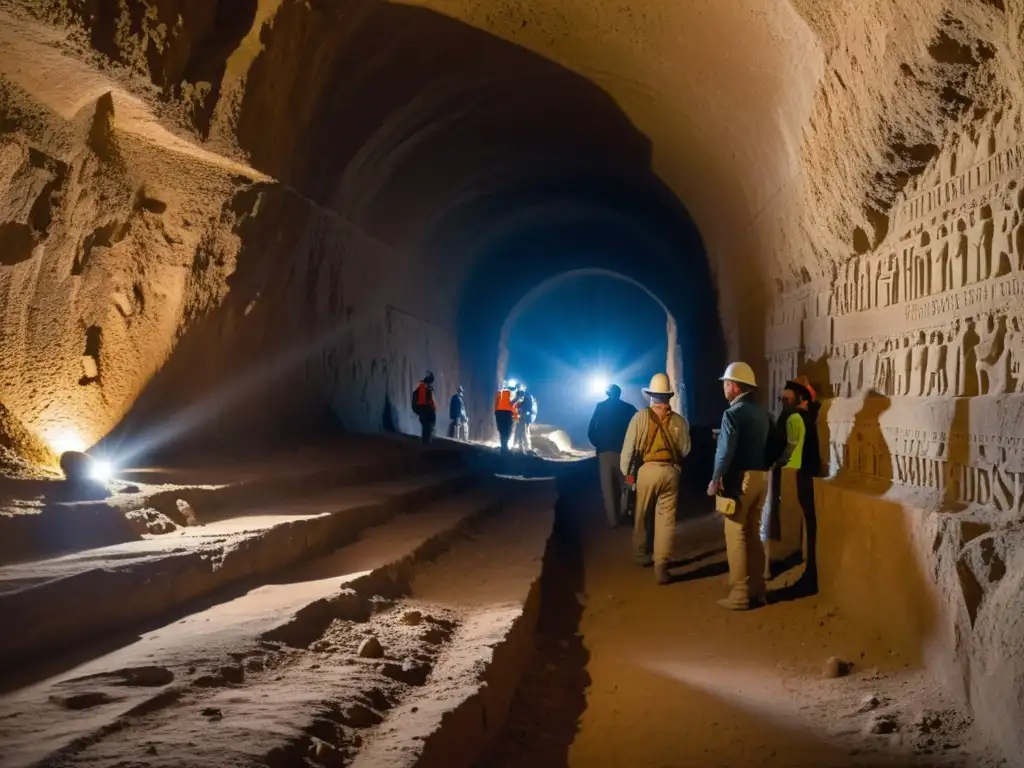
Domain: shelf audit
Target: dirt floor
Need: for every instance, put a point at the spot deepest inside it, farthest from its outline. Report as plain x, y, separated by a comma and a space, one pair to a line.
631, 674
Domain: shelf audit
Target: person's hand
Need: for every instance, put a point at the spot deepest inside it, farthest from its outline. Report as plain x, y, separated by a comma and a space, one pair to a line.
713, 487
630, 480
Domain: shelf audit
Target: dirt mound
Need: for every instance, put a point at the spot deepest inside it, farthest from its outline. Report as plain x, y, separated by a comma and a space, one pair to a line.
22, 454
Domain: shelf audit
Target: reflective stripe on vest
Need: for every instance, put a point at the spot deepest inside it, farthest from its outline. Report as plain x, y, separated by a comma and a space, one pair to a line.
503, 400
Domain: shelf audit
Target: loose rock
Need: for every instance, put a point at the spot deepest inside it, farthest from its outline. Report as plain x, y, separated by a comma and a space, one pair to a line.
835, 667
412, 617
371, 648
884, 723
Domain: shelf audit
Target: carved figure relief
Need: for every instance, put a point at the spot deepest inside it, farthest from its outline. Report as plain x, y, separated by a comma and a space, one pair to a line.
990, 354
937, 311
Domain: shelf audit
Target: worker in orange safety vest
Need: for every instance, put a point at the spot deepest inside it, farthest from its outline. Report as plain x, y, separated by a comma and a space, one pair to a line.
424, 406
504, 415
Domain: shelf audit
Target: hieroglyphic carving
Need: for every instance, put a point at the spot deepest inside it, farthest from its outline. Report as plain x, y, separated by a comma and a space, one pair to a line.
936, 311
926, 447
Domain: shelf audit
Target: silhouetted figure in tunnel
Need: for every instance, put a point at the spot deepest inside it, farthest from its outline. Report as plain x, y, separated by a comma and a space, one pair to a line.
424, 406
503, 412
526, 409
606, 433
458, 424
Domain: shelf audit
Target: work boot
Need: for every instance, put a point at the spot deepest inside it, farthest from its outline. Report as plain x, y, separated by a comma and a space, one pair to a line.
661, 574
730, 604
645, 562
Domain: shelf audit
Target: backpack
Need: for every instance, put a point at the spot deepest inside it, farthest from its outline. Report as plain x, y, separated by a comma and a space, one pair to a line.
775, 445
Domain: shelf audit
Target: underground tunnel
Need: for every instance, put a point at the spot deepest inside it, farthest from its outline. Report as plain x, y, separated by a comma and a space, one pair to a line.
234, 236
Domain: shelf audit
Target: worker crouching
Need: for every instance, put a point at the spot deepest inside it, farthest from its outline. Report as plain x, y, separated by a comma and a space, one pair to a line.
657, 440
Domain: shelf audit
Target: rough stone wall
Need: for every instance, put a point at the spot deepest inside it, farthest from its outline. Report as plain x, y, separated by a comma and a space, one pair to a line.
918, 345
147, 283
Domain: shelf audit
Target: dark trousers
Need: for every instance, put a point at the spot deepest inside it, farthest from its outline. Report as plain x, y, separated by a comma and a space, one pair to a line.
503, 420
427, 422
805, 495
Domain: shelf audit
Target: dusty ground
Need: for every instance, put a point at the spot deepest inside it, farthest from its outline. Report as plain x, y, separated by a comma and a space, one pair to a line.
658, 677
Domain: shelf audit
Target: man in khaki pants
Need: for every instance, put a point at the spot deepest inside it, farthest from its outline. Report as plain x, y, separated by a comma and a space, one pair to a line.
660, 438
740, 476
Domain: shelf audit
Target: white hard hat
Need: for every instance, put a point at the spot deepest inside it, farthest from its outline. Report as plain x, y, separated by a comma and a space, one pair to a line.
659, 385
740, 373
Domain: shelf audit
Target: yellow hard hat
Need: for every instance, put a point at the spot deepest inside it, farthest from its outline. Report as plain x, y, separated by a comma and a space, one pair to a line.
740, 373
660, 385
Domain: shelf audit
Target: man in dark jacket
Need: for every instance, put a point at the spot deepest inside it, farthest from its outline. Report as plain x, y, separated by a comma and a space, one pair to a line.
424, 406
607, 431
458, 426
740, 475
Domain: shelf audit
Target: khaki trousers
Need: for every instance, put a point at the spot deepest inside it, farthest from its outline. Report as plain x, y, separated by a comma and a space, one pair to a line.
654, 528
611, 485
743, 542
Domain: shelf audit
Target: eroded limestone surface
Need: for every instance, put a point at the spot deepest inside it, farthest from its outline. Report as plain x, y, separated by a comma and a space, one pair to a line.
205, 205
917, 345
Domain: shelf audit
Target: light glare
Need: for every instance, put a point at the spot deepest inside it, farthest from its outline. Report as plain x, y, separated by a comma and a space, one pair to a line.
101, 470
65, 440
599, 383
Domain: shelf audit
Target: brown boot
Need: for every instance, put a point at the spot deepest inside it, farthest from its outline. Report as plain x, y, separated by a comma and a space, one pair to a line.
661, 574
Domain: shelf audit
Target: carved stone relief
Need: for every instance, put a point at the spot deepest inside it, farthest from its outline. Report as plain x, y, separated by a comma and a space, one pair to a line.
934, 314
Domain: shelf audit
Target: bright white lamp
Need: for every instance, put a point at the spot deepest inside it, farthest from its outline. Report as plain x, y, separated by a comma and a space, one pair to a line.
599, 383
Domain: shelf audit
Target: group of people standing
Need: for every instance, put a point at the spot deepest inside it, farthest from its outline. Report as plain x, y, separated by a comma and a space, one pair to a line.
644, 450
515, 411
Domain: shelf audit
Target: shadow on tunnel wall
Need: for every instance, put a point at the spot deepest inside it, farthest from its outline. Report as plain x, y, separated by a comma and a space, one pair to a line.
870, 554
427, 134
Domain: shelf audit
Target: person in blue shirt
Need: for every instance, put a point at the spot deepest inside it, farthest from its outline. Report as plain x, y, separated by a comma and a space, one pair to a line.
739, 475
458, 425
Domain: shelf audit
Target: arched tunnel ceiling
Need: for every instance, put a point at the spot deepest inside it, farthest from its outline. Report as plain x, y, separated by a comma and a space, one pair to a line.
786, 129
747, 108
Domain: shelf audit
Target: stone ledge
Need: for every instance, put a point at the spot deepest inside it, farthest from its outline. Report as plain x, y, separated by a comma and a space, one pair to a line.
135, 583
267, 662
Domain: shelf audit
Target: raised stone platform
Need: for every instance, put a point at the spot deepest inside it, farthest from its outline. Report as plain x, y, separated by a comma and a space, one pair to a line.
403, 647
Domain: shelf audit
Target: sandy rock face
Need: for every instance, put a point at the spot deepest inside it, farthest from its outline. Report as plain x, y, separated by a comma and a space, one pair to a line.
19, 448
204, 219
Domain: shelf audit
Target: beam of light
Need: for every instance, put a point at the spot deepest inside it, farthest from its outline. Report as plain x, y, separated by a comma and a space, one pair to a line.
202, 410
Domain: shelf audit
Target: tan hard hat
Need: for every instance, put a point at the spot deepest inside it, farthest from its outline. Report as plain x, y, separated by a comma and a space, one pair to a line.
660, 385
740, 373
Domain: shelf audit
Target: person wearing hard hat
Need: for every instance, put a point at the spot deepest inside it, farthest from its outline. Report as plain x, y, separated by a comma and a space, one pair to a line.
740, 479
659, 439
807, 469
458, 424
607, 433
424, 406
503, 414
526, 408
